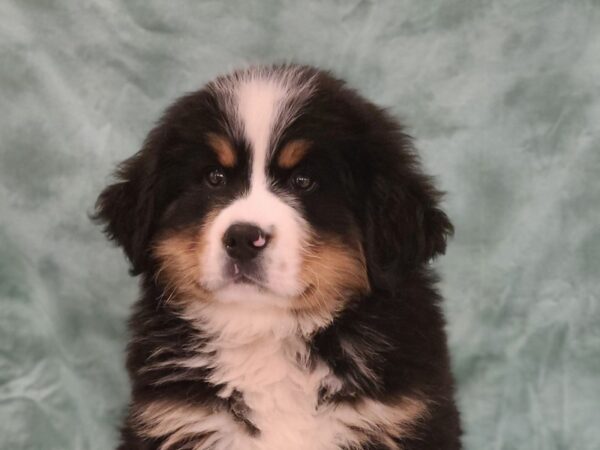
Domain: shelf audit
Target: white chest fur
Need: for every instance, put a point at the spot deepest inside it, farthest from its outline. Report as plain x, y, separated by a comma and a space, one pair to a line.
260, 354
264, 358
281, 394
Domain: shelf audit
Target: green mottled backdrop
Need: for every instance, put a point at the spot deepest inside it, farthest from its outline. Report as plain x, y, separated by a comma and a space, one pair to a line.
503, 97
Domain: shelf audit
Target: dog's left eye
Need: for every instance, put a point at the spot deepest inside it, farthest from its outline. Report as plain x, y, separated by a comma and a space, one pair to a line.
302, 182
216, 177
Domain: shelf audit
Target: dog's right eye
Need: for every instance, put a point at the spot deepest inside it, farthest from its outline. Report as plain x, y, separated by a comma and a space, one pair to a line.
216, 177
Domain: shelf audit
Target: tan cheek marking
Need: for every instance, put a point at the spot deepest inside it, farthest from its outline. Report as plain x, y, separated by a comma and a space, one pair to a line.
292, 153
179, 260
223, 149
331, 270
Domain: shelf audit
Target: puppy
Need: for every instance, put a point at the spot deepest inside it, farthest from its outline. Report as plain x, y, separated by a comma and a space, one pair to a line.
283, 229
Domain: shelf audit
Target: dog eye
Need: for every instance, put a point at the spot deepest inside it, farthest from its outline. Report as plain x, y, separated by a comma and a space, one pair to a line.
302, 182
216, 177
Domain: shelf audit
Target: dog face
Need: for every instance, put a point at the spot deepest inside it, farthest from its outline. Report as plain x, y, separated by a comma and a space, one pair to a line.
274, 186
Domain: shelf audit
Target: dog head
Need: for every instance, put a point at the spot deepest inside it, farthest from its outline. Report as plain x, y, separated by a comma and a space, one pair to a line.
275, 186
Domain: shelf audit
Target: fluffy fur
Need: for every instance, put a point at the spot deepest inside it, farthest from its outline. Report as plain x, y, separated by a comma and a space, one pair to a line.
322, 330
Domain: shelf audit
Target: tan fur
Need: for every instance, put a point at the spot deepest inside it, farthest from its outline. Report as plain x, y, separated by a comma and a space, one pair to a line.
386, 421
331, 270
177, 254
292, 153
223, 149
178, 421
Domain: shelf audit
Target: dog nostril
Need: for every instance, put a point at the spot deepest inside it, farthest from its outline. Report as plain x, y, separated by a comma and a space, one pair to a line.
230, 242
244, 241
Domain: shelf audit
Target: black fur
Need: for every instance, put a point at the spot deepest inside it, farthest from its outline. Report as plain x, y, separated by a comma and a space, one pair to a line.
370, 183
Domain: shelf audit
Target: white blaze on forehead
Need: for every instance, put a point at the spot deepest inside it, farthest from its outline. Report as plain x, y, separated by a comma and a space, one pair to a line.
259, 104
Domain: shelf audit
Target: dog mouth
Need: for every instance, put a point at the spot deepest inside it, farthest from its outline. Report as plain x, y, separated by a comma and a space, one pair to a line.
247, 279
248, 274
252, 276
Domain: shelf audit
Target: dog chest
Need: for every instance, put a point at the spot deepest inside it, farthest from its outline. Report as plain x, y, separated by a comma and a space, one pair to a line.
280, 396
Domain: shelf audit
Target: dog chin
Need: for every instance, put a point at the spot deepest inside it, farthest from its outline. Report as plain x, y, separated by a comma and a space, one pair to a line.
251, 295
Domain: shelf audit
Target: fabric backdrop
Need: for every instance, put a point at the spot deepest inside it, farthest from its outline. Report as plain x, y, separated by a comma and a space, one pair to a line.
502, 96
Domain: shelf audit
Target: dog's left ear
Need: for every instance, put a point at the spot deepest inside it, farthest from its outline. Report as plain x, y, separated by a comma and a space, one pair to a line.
127, 207
405, 227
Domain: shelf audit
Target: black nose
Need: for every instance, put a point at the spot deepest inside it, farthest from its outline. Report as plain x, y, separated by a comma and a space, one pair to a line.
243, 241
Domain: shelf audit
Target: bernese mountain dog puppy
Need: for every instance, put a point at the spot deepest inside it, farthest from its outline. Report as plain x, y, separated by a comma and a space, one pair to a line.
283, 230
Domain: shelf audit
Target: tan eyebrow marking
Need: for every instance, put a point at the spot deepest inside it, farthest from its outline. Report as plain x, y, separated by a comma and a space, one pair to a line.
292, 153
223, 149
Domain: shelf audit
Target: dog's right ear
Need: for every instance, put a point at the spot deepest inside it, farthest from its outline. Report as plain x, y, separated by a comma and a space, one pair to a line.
127, 207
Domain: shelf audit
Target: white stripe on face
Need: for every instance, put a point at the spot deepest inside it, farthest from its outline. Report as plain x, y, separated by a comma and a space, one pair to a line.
265, 104
259, 102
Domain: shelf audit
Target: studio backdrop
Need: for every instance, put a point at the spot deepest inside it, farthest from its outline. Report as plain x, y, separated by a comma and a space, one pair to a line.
502, 97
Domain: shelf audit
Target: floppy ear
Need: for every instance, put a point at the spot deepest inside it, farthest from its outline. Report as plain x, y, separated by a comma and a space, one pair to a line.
127, 208
405, 228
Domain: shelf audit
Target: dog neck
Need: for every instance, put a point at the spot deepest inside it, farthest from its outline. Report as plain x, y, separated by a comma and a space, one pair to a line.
238, 323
